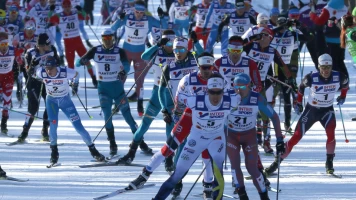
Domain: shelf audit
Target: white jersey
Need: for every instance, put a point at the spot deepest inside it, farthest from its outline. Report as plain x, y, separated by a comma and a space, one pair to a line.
176, 73
200, 16
108, 64
239, 24
69, 25
136, 30
322, 94
262, 59
284, 43
58, 85
206, 118
40, 14
7, 61
229, 70
160, 61
178, 11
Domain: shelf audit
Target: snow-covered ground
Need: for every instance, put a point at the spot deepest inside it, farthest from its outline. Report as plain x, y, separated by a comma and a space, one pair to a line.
302, 173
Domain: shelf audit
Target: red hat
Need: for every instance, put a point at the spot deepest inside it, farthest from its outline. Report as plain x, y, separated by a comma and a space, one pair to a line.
267, 30
66, 3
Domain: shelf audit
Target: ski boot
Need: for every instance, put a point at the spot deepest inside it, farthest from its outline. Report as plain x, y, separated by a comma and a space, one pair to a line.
264, 195
288, 128
242, 193
75, 88
88, 44
145, 149
94, 81
4, 124
140, 180
140, 107
22, 137
259, 135
130, 156
267, 183
169, 164
208, 191
44, 132
54, 154
113, 148
177, 189
273, 167
95, 153
2, 173
133, 97
329, 163
267, 147
61, 60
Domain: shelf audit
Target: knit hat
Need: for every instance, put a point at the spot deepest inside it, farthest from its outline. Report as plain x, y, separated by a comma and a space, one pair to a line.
43, 39
242, 78
50, 62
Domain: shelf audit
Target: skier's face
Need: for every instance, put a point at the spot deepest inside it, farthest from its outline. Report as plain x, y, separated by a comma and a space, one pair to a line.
181, 1
274, 18
67, 8
4, 47
139, 14
205, 71
43, 3
215, 96
266, 39
52, 2
242, 89
325, 70
180, 53
52, 71
234, 54
206, 2
29, 32
240, 10
108, 41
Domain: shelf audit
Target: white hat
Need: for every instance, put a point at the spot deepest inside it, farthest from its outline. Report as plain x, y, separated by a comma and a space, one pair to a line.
180, 42
206, 60
262, 17
325, 59
216, 83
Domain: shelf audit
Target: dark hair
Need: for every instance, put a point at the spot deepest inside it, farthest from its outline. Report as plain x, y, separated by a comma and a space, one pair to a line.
168, 32
140, 2
216, 75
235, 38
206, 54
347, 21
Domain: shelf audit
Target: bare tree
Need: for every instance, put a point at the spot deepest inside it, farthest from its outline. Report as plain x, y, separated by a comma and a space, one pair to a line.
285, 4
276, 3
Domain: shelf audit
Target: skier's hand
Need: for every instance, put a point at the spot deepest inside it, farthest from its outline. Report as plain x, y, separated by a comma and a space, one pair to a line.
176, 117
258, 88
122, 15
35, 62
162, 42
52, 7
298, 108
160, 12
340, 100
78, 7
280, 146
167, 117
194, 36
30, 71
291, 81
121, 75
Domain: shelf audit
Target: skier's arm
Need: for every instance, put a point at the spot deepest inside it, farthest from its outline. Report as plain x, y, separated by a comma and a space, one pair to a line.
163, 87
118, 23
171, 12
73, 74
255, 75
321, 19
306, 82
182, 94
198, 48
265, 108
124, 61
208, 15
86, 57
149, 53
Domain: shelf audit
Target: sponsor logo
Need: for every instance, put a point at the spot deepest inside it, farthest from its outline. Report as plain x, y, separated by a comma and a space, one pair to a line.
231, 145
192, 143
184, 156
189, 150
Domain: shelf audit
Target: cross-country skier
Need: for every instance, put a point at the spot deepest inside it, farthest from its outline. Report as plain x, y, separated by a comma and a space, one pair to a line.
209, 112
68, 23
35, 58
273, 16
216, 13
323, 87
179, 13
262, 22
137, 26
241, 134
249, 9
56, 80
111, 66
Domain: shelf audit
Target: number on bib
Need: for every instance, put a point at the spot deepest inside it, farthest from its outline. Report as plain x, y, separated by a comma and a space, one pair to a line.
136, 32
107, 67
283, 50
70, 25
238, 119
260, 65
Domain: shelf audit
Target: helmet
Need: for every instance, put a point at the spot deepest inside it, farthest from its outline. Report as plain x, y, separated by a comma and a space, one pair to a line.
30, 25
274, 11
242, 78
2, 14
347, 20
43, 39
262, 17
50, 61
325, 59
108, 31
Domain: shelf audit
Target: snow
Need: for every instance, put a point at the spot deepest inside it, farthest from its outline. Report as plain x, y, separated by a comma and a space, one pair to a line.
302, 173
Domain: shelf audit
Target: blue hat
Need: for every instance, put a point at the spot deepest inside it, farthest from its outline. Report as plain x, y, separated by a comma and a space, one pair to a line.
50, 62
293, 11
13, 8
274, 11
242, 78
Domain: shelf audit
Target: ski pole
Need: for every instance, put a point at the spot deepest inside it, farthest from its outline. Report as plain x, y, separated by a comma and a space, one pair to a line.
343, 125
295, 117
285, 84
227, 135
39, 99
85, 89
27, 114
279, 169
112, 113
86, 110
94, 33
186, 196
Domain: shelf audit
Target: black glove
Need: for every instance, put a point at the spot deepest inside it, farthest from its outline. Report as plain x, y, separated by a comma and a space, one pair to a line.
255, 37
30, 71
194, 36
291, 81
226, 21
162, 41
298, 107
280, 146
52, 7
167, 117
160, 12
78, 7
297, 23
122, 15
34, 62
121, 75
289, 23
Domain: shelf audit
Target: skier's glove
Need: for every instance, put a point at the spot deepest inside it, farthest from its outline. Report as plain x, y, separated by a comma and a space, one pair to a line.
52, 7
340, 100
291, 81
194, 36
78, 7
160, 12
122, 15
167, 117
298, 108
121, 75
162, 41
35, 62
176, 116
280, 146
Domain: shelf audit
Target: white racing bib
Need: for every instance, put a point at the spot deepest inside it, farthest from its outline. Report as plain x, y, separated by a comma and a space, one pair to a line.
201, 16
181, 12
108, 65
69, 25
136, 31
239, 25
7, 61
321, 94
262, 59
160, 61
284, 45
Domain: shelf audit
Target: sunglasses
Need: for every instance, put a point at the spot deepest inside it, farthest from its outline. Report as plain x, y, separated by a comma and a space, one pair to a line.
205, 67
179, 50
140, 12
169, 44
325, 66
235, 50
264, 22
294, 16
107, 37
265, 34
14, 12
4, 44
242, 87
215, 92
